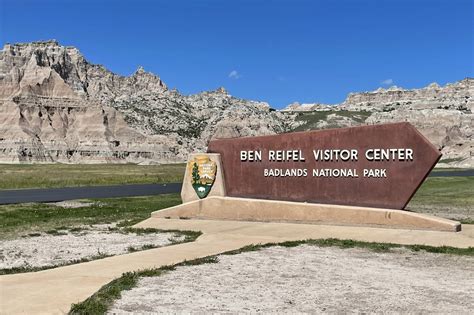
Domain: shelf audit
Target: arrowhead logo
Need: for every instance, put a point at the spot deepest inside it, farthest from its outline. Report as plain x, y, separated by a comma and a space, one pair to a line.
202, 173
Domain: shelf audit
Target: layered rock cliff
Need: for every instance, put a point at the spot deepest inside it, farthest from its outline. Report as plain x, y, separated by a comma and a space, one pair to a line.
55, 106
444, 114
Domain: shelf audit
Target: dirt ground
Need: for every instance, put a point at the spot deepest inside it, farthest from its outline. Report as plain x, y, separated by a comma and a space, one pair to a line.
73, 204
310, 279
65, 246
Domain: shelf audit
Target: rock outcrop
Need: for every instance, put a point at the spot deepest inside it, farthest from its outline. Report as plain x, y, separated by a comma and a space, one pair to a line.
55, 106
444, 114
453, 96
306, 107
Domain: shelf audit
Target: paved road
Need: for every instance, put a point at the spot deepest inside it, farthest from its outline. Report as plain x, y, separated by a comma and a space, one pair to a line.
70, 193
452, 173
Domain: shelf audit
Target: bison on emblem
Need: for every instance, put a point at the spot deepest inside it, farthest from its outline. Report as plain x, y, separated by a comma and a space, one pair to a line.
203, 173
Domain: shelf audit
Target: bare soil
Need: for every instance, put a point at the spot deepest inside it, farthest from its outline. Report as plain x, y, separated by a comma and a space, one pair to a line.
310, 279
73, 204
66, 246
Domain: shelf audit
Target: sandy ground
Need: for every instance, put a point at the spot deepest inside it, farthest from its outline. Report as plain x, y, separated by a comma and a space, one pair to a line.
310, 279
73, 204
66, 246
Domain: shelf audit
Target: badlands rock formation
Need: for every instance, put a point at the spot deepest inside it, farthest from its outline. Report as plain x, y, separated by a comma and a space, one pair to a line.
55, 106
443, 114
307, 107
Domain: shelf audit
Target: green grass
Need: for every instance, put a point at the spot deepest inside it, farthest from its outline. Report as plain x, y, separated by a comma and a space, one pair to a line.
67, 175
311, 119
21, 219
446, 161
373, 246
437, 192
448, 192
101, 301
189, 236
449, 169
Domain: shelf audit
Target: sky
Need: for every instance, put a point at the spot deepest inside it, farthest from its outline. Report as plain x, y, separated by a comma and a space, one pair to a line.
274, 51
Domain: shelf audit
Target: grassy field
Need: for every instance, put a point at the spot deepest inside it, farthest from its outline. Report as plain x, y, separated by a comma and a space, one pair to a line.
66, 175
449, 169
445, 161
449, 197
446, 191
24, 219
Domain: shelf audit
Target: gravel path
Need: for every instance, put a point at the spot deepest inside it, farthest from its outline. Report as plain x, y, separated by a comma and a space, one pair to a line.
310, 279
65, 246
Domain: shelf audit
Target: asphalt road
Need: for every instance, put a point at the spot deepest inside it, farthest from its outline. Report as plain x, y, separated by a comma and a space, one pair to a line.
452, 173
70, 193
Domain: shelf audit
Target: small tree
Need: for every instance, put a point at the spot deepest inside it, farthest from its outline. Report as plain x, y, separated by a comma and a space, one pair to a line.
195, 174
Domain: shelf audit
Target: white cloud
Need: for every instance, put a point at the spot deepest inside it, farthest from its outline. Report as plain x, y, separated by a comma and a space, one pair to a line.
387, 82
234, 75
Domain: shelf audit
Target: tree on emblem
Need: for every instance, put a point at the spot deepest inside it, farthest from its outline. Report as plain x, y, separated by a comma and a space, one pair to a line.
202, 172
196, 177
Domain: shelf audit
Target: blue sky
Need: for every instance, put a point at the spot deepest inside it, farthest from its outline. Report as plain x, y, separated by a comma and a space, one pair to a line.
274, 51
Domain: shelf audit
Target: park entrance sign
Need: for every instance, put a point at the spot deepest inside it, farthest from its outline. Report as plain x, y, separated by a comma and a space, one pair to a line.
372, 166
351, 176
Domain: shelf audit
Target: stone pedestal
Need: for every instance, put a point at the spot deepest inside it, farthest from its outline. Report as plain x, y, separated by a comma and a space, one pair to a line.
243, 209
218, 206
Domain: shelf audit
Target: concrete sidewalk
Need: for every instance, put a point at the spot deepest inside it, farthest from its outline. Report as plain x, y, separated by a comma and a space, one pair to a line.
54, 290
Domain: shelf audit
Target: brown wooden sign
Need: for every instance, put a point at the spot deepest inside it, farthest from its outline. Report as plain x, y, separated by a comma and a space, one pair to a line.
373, 166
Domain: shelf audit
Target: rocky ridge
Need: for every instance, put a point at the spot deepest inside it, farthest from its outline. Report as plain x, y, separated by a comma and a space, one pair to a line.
307, 107
444, 114
55, 106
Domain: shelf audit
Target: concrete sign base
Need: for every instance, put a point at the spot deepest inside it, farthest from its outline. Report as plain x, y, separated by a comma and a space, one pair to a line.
230, 208
205, 171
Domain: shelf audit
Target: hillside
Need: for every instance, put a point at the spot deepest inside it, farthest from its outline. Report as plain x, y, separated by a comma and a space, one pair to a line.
444, 114
55, 106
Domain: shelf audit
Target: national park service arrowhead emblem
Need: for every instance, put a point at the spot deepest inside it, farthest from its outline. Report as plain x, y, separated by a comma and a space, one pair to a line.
203, 173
